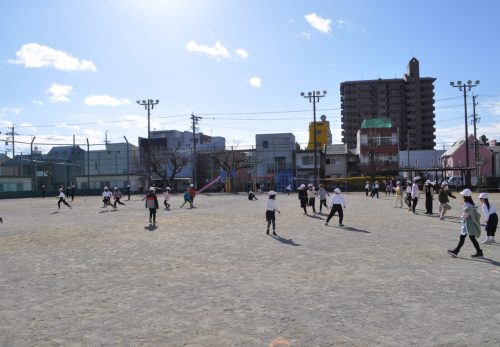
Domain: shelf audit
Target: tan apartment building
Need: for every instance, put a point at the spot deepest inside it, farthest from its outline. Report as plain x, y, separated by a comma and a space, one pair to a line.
408, 102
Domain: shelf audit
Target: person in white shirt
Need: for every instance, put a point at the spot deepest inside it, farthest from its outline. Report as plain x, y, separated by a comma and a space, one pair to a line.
490, 217
408, 195
311, 197
166, 198
414, 193
62, 198
271, 209
337, 203
106, 197
367, 188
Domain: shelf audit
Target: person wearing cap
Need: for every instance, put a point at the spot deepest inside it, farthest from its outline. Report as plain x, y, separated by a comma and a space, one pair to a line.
414, 193
399, 195
129, 192
303, 197
151, 204
469, 225
166, 198
490, 217
443, 197
62, 198
311, 197
106, 197
428, 196
251, 196
322, 197
408, 195
367, 188
337, 203
187, 199
288, 189
117, 195
374, 189
271, 209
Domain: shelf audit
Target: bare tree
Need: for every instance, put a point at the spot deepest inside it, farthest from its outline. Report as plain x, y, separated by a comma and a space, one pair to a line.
233, 161
176, 161
163, 161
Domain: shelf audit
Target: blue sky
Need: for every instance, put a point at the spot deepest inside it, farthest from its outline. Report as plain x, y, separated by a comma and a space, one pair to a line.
77, 67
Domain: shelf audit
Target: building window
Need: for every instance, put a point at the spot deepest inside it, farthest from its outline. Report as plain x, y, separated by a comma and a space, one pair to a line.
307, 160
265, 144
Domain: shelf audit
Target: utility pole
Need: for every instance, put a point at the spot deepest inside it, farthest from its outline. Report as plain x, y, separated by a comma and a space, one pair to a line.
314, 97
463, 87
12, 134
408, 152
148, 105
477, 160
33, 171
128, 160
195, 120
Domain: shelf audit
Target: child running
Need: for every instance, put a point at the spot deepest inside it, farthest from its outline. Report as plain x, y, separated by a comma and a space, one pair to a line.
490, 217
187, 199
117, 196
469, 225
303, 197
166, 198
271, 209
311, 197
62, 198
322, 197
444, 193
338, 202
152, 204
106, 197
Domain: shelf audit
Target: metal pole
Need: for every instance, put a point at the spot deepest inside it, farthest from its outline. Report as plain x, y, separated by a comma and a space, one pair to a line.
33, 173
128, 160
467, 173
315, 144
88, 165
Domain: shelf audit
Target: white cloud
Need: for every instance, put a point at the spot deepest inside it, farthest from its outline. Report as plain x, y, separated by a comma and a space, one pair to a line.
494, 108
29, 126
65, 126
241, 53
14, 110
319, 23
59, 92
304, 35
255, 82
105, 100
33, 55
217, 52
37, 102
348, 26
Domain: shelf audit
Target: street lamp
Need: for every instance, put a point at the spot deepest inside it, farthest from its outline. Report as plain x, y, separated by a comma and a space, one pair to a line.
463, 87
148, 105
314, 97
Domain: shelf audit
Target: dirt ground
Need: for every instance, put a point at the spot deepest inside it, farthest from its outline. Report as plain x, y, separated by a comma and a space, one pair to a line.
210, 276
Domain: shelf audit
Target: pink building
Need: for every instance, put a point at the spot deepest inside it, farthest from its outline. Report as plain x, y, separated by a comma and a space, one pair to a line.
454, 157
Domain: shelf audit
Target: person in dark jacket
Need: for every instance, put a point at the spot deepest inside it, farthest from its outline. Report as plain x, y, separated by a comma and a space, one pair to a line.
152, 204
303, 197
428, 189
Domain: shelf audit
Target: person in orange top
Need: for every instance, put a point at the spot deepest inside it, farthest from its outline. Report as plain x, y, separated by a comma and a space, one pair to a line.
192, 193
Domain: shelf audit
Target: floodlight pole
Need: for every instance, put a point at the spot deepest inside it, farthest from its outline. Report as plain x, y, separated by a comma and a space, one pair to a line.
314, 97
148, 105
463, 87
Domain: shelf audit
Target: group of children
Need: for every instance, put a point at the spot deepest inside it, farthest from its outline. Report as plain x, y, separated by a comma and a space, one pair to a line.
469, 219
307, 197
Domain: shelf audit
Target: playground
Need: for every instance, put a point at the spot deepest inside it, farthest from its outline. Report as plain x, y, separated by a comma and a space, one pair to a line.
210, 276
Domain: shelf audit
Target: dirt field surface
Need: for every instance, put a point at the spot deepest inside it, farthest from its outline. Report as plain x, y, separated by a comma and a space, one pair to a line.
210, 276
